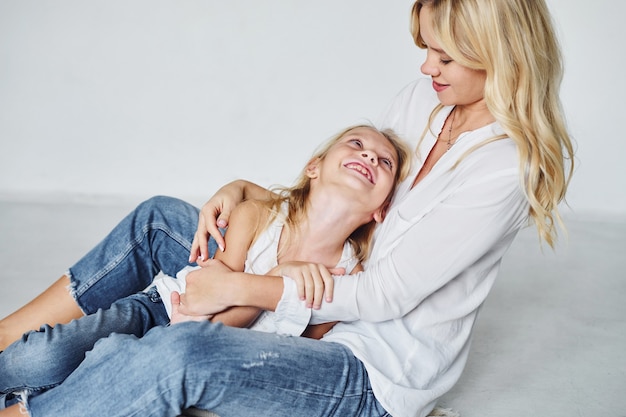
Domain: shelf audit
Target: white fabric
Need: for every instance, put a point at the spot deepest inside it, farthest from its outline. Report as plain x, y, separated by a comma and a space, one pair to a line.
261, 257
409, 316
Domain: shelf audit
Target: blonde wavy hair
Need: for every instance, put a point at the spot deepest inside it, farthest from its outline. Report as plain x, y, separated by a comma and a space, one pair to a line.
514, 42
297, 195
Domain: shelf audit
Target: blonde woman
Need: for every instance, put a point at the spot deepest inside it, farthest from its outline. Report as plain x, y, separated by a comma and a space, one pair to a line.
493, 155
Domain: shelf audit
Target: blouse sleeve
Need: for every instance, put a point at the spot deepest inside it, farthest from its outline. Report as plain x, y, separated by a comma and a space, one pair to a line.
433, 250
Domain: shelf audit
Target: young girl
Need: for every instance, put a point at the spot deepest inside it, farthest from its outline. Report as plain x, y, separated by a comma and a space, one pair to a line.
327, 218
321, 205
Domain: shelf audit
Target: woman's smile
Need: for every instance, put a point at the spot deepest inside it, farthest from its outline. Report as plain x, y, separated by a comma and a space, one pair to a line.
439, 87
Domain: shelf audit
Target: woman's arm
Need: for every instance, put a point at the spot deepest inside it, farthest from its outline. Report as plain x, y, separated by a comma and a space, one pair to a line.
465, 234
459, 242
216, 213
317, 331
215, 288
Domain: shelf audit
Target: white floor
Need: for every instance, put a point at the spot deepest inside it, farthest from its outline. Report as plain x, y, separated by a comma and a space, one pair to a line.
550, 340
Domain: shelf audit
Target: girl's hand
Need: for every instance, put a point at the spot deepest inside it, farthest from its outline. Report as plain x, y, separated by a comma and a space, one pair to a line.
214, 215
178, 317
314, 281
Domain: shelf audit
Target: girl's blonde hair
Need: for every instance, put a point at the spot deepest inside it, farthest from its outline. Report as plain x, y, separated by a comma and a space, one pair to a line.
296, 196
514, 42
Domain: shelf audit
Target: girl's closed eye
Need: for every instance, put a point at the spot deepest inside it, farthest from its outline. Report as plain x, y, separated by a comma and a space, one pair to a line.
357, 142
387, 162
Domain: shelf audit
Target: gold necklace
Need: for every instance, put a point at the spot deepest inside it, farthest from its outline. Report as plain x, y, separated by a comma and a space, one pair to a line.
450, 143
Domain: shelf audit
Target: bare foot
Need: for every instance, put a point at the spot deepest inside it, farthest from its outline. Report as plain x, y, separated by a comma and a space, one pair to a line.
54, 305
16, 410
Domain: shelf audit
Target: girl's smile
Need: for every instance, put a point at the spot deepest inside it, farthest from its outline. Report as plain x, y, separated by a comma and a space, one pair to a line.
361, 169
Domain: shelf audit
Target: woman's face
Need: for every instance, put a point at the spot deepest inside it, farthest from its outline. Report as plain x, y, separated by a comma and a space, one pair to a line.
454, 83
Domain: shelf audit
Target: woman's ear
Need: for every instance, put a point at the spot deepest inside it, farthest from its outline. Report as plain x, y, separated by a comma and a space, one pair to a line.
312, 168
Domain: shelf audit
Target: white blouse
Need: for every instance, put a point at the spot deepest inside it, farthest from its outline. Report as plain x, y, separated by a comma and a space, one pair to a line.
409, 316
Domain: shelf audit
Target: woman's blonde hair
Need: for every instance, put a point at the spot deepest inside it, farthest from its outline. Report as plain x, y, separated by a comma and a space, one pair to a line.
297, 195
514, 42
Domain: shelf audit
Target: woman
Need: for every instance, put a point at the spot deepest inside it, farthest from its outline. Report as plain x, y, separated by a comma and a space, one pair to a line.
492, 149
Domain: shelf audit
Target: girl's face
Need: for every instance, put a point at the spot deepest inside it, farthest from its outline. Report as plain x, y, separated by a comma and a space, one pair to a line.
364, 161
454, 83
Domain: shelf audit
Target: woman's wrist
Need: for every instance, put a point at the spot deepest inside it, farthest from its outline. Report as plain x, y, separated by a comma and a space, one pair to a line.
260, 291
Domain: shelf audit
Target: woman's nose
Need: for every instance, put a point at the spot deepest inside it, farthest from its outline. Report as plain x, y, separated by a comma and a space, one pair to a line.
429, 67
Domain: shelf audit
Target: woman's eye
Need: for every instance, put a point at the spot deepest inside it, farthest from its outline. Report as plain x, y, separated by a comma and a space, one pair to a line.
445, 61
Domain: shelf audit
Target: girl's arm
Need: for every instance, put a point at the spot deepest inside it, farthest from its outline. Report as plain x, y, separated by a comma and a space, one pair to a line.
213, 290
239, 237
216, 214
219, 287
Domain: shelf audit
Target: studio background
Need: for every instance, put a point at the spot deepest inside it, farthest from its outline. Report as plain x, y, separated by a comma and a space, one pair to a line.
109, 101
106, 103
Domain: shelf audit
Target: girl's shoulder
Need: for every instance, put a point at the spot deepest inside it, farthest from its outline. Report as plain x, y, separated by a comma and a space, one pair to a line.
249, 214
248, 208
256, 215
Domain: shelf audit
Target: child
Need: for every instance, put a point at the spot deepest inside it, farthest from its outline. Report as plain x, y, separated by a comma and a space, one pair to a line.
329, 216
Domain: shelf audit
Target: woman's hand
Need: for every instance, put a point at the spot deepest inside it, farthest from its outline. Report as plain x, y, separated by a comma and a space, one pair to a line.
314, 281
214, 215
178, 317
207, 291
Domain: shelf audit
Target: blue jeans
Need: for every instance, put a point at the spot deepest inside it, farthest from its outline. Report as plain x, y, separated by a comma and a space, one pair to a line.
107, 284
43, 359
157, 235
234, 372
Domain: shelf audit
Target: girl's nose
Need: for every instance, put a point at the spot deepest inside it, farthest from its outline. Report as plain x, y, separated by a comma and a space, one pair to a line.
371, 156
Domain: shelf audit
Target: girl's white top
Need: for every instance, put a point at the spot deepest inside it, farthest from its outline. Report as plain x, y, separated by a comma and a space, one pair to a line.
409, 316
260, 258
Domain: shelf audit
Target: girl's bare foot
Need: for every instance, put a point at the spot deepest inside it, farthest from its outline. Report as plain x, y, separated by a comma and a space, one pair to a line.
54, 305
16, 410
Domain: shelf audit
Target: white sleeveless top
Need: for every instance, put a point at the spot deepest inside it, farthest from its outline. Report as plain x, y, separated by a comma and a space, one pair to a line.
261, 257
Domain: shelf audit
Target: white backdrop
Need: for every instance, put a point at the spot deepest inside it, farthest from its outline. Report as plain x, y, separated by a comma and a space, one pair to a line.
112, 100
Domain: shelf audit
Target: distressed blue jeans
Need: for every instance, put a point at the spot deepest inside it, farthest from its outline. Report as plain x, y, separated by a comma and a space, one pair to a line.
157, 235
108, 286
43, 359
235, 372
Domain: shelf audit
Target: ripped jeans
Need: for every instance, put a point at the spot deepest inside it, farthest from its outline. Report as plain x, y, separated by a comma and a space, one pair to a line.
231, 371
108, 286
43, 359
156, 236
163, 370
